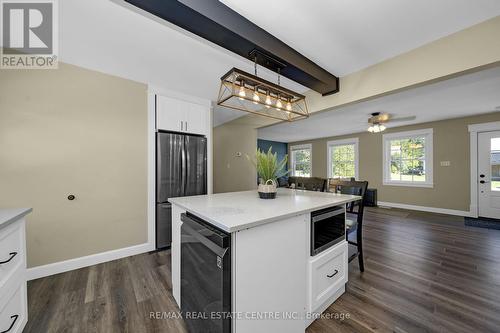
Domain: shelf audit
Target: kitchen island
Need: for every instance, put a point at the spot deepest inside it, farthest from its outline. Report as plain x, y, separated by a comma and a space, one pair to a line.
244, 264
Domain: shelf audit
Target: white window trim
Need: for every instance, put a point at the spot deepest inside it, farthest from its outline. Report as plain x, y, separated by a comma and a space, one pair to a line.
299, 147
350, 141
429, 146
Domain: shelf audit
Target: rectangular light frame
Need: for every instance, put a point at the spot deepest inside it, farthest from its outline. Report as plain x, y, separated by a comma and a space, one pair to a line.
231, 85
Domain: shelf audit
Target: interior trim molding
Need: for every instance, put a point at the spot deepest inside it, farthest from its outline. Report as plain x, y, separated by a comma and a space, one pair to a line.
485, 127
94, 259
151, 170
425, 209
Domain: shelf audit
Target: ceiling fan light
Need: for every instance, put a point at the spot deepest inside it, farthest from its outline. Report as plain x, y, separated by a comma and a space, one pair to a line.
289, 106
370, 129
382, 128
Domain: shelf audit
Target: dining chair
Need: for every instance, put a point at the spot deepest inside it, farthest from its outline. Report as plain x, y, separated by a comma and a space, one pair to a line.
353, 187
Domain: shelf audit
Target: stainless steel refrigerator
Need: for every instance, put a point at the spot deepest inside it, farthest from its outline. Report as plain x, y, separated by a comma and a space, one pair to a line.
181, 170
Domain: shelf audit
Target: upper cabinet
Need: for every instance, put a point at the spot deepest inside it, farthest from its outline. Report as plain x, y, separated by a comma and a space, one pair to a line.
181, 116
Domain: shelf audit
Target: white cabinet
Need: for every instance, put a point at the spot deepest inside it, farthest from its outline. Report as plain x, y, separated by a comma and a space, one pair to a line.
13, 291
197, 119
180, 116
327, 275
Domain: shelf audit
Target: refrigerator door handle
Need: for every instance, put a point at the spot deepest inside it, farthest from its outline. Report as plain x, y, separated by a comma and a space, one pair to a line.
183, 168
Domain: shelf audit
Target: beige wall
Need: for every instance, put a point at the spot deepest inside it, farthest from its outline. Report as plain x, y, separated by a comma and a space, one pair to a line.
233, 173
74, 131
451, 184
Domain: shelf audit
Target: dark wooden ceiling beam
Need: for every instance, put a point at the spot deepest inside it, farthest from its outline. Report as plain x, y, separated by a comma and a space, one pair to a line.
214, 21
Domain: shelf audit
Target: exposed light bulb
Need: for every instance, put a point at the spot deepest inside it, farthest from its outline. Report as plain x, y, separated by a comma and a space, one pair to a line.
289, 106
242, 92
268, 100
382, 128
256, 97
370, 129
278, 103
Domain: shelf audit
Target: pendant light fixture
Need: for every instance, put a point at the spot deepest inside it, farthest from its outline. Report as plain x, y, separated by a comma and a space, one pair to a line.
246, 92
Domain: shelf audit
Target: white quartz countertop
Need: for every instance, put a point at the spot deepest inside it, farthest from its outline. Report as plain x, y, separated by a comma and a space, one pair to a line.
235, 211
9, 215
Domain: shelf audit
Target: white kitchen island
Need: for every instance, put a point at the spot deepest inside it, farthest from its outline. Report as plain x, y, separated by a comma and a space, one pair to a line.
277, 285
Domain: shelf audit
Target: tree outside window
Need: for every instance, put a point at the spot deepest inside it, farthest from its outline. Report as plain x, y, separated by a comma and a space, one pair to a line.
408, 158
301, 162
343, 161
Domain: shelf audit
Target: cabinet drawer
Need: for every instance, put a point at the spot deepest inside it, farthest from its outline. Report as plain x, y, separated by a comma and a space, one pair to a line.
13, 314
327, 274
11, 251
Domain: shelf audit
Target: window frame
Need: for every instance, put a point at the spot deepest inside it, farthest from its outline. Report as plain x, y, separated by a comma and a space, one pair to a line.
428, 134
344, 142
292, 157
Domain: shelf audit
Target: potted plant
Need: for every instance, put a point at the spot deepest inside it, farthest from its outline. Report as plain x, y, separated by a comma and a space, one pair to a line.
269, 169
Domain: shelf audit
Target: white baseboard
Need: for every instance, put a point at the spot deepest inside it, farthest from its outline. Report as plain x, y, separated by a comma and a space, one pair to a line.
94, 259
425, 209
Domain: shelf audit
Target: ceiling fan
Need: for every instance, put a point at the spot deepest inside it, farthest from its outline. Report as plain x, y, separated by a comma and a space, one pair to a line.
378, 119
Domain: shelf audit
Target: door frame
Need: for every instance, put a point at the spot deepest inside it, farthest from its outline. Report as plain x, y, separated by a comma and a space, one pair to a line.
474, 131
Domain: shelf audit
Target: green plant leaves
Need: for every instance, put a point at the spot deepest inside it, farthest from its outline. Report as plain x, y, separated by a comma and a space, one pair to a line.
268, 166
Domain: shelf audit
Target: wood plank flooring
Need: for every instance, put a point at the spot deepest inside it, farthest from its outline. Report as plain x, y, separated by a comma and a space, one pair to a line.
423, 273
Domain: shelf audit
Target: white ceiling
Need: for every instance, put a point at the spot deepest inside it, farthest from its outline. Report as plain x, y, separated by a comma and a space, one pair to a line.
105, 36
458, 97
344, 36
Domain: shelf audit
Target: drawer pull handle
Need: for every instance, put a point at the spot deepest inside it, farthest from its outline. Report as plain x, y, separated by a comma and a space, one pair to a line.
12, 324
334, 273
12, 255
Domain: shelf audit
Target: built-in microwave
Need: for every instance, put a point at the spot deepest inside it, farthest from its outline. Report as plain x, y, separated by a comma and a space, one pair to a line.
327, 228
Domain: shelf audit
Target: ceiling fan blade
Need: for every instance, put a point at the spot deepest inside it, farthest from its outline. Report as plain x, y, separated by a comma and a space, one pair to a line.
379, 118
402, 119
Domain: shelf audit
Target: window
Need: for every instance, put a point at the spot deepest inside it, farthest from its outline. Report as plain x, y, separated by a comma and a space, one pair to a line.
343, 158
408, 158
301, 160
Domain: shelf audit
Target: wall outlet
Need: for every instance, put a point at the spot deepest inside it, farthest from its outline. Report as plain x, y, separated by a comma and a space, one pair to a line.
445, 163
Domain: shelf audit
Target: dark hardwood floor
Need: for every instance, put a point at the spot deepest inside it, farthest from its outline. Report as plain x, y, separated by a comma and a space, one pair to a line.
423, 273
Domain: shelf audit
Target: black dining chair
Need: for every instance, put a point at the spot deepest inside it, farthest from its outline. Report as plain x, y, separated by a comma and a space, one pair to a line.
355, 209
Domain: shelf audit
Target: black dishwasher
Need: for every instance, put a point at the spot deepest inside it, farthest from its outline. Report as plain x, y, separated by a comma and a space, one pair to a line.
205, 276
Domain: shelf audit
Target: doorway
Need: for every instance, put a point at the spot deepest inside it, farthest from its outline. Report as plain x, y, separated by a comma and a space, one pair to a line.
488, 167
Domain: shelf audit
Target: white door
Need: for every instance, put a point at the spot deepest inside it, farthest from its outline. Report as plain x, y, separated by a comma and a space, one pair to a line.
489, 174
